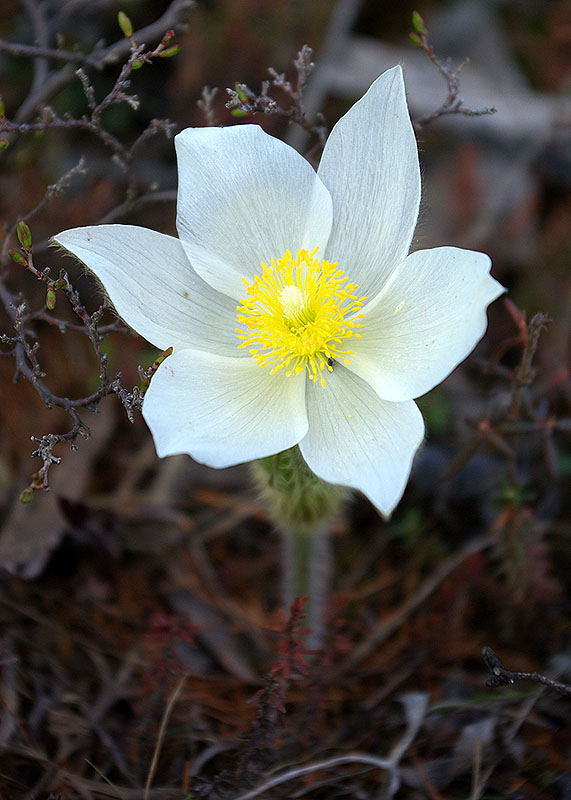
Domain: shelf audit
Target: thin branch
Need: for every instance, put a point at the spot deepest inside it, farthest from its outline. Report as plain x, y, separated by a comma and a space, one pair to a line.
525, 372
500, 676
247, 101
99, 59
36, 12
453, 104
55, 54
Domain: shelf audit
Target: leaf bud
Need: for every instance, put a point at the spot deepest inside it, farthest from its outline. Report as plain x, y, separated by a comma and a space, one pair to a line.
137, 63
4, 144
17, 258
50, 299
170, 51
24, 235
417, 22
125, 24
415, 39
27, 495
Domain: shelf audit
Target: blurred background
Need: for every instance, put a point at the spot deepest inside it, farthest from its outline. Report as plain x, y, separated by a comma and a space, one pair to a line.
131, 573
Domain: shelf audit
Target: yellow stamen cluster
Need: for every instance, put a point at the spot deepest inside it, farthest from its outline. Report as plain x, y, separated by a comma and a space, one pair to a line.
297, 314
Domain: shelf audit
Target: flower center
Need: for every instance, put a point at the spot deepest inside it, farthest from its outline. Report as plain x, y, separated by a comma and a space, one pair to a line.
297, 315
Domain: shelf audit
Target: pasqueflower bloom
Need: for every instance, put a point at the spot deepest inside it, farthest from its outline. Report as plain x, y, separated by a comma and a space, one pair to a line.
296, 313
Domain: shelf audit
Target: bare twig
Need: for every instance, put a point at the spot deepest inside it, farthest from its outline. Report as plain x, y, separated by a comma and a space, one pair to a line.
525, 373
206, 105
453, 104
33, 51
500, 676
24, 346
247, 101
100, 58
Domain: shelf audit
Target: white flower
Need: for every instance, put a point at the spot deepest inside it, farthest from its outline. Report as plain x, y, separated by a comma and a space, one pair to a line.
295, 312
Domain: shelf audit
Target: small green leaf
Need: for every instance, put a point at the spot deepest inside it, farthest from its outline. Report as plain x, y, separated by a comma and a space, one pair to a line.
415, 39
4, 144
417, 22
137, 64
125, 24
24, 235
2, 108
50, 299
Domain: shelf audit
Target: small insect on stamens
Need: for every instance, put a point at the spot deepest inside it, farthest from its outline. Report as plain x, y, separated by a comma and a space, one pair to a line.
330, 363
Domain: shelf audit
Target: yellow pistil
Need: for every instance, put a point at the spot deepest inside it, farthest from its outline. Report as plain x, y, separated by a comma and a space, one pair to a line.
298, 314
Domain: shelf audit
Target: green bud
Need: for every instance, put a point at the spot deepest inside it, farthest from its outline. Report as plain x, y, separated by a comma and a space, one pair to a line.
137, 63
170, 51
27, 496
237, 112
296, 498
417, 22
50, 299
18, 258
24, 235
2, 108
60, 284
125, 24
4, 144
415, 39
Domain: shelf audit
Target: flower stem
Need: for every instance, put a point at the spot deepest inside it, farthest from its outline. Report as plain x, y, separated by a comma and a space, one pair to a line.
301, 506
307, 573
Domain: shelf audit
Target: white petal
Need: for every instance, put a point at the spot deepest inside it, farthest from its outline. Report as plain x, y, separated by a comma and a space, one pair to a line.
153, 287
426, 321
223, 411
370, 166
356, 439
245, 197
